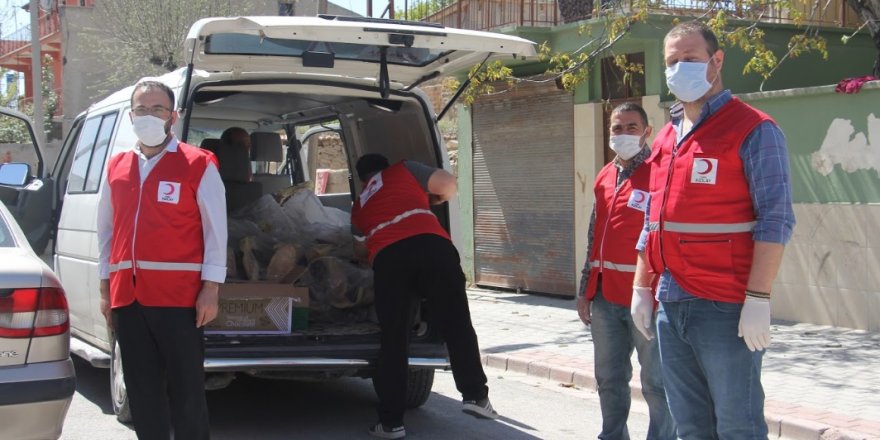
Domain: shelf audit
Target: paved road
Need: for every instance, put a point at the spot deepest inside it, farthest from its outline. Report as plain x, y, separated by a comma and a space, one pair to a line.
251, 408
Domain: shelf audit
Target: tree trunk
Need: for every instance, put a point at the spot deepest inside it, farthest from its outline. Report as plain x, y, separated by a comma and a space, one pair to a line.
869, 10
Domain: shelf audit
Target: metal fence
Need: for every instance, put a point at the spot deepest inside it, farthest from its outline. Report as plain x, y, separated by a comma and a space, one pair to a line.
490, 14
49, 24
483, 14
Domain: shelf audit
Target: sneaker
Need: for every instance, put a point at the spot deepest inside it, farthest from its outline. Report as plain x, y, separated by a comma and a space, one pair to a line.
382, 431
479, 408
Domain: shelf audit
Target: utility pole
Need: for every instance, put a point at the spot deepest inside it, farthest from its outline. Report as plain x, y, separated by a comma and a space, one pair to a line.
36, 73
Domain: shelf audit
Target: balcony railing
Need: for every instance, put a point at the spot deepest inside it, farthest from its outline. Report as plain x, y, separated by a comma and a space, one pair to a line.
483, 14
49, 24
832, 13
491, 14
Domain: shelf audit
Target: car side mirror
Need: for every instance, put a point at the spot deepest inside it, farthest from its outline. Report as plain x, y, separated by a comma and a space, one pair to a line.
14, 174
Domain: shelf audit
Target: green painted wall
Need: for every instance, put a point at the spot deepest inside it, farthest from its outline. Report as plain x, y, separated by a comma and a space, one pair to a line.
828, 132
844, 60
466, 189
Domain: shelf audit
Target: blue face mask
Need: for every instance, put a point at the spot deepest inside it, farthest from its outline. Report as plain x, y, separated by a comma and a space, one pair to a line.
687, 80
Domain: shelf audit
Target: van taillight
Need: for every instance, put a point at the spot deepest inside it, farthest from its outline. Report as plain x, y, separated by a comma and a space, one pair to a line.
28, 313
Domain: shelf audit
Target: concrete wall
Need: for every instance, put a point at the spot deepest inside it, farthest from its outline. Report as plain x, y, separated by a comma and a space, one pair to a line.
831, 269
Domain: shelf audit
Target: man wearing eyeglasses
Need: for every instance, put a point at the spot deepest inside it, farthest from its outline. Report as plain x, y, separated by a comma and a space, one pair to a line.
162, 255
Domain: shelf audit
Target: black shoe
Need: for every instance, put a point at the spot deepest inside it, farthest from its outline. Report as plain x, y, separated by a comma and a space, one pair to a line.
479, 408
382, 431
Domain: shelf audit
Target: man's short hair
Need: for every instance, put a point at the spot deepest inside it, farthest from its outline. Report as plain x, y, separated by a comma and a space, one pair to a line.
153, 84
370, 164
691, 28
631, 107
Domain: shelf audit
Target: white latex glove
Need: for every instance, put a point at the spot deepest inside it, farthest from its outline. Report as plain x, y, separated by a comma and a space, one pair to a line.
754, 323
642, 310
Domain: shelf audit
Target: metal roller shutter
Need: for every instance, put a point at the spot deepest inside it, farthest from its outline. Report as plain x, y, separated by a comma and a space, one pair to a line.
523, 190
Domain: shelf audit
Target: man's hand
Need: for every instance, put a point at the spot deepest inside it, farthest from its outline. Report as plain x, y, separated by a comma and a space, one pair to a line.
583, 306
754, 323
206, 303
104, 289
642, 310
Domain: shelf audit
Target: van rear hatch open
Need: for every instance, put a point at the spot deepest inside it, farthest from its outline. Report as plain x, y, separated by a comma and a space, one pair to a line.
395, 53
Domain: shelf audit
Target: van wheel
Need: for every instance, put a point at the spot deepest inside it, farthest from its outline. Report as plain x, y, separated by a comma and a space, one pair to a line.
418, 386
118, 395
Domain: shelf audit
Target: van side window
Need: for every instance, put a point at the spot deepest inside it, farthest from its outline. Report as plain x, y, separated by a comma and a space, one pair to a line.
90, 155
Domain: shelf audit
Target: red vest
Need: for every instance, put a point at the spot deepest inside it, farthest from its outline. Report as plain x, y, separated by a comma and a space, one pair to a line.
620, 218
701, 215
157, 246
393, 206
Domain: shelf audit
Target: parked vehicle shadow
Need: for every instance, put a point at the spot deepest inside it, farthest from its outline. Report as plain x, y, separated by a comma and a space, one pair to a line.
339, 409
93, 384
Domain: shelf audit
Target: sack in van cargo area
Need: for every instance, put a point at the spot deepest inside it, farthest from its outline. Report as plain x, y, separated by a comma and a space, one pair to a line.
306, 207
339, 284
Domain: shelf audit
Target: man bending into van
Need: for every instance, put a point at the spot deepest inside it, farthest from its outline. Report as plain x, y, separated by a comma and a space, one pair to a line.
412, 254
162, 255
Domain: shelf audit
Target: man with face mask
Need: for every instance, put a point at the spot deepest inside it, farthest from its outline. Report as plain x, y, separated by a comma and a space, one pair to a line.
603, 300
162, 255
719, 216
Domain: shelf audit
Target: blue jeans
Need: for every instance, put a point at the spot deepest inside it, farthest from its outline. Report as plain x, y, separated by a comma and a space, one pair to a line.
614, 338
713, 381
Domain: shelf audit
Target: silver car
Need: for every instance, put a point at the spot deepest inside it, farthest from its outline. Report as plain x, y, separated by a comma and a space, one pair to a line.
37, 378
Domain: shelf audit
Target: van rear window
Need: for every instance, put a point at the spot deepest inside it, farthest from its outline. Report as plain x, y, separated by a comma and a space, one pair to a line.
245, 44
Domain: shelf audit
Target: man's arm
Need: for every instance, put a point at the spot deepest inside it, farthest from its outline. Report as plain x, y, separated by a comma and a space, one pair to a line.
583, 304
211, 199
105, 237
442, 186
439, 184
765, 164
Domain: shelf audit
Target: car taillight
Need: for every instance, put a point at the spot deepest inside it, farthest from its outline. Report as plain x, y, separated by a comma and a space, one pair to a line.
28, 313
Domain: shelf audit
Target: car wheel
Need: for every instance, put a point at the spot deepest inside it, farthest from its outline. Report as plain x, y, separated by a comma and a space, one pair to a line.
118, 395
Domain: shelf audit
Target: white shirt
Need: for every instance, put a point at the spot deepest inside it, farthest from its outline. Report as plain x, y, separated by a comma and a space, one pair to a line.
211, 199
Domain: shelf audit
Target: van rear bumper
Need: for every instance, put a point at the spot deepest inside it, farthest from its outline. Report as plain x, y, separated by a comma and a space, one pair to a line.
242, 364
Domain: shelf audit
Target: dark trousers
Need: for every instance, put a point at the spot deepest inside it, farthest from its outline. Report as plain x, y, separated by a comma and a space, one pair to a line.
422, 266
163, 364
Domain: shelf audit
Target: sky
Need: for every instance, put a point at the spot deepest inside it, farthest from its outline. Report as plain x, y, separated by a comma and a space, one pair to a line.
12, 16
360, 6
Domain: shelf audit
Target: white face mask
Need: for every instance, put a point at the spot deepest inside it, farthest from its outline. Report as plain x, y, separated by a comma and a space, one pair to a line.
687, 80
149, 129
625, 145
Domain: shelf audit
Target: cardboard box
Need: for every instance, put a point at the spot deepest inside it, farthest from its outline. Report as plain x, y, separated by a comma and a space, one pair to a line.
260, 308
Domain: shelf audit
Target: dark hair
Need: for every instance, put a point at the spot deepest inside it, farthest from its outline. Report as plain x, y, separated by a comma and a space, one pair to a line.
232, 131
631, 107
152, 84
691, 28
370, 164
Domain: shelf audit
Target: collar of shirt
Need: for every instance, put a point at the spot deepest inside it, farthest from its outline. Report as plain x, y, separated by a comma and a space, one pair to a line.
170, 146
676, 112
626, 170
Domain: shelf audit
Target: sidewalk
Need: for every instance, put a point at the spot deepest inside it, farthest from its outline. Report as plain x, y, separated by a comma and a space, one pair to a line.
820, 382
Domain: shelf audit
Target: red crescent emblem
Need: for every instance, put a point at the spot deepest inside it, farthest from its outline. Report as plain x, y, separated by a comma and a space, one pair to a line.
639, 197
170, 189
708, 166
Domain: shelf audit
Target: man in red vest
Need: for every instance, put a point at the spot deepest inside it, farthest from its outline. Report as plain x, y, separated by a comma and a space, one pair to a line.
603, 301
162, 255
718, 220
412, 255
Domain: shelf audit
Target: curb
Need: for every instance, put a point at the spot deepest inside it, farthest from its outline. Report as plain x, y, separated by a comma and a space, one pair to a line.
566, 370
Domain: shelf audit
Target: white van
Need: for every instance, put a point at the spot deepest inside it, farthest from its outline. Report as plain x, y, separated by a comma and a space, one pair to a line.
277, 77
